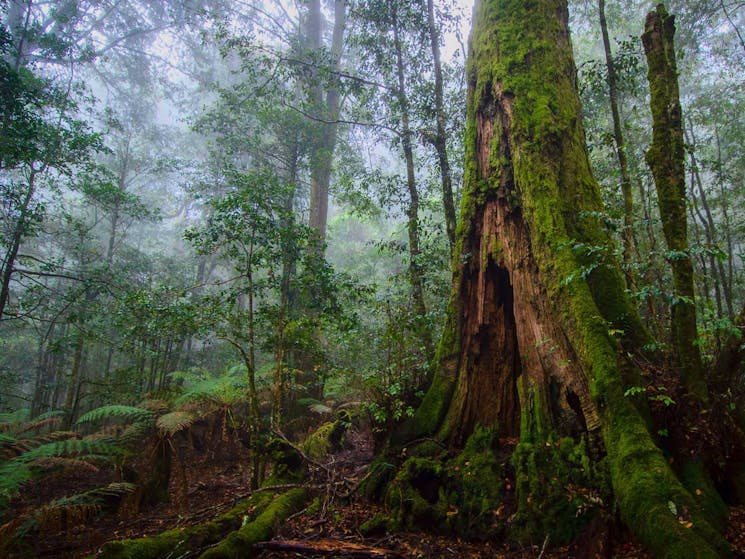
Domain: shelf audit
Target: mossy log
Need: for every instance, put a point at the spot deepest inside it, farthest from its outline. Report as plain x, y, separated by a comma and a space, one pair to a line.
538, 313
188, 538
250, 521
238, 544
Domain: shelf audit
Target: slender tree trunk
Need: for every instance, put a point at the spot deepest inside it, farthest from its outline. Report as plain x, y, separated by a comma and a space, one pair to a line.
629, 242
720, 276
440, 138
665, 158
526, 349
11, 253
327, 106
73, 385
412, 212
707, 224
728, 280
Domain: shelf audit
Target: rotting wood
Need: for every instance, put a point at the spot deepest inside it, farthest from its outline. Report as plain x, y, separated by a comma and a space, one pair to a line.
330, 547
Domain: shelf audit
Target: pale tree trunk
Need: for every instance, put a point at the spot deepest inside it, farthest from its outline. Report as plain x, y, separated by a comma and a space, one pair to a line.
665, 158
530, 348
440, 138
327, 105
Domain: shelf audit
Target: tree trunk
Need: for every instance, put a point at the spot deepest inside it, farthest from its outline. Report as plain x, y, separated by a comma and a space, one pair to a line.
629, 243
529, 348
412, 212
327, 113
665, 158
440, 138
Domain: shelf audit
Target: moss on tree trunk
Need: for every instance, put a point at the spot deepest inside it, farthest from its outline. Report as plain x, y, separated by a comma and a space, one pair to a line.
665, 158
530, 347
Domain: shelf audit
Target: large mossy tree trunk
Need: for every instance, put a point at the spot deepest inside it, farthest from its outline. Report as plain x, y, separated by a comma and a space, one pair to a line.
538, 316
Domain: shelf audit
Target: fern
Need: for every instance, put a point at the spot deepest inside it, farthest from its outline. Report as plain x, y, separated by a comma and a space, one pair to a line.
130, 413
65, 463
18, 446
316, 406
10, 419
97, 496
71, 447
223, 391
171, 423
39, 424
12, 476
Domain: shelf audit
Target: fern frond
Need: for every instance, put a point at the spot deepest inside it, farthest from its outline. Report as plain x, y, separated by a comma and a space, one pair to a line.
9, 419
66, 463
39, 424
133, 434
171, 423
223, 391
320, 409
316, 406
56, 517
13, 475
71, 447
155, 406
21, 446
97, 495
129, 413
50, 413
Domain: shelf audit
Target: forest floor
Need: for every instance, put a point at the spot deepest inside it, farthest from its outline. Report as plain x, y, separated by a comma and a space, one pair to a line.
212, 484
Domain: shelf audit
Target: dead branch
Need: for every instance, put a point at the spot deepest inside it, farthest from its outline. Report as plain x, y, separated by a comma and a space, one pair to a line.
331, 547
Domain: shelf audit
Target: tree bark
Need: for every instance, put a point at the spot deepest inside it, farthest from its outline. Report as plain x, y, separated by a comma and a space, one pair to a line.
665, 158
527, 349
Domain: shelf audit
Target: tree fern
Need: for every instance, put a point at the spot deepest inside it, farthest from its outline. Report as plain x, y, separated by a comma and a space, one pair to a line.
130, 413
171, 423
222, 391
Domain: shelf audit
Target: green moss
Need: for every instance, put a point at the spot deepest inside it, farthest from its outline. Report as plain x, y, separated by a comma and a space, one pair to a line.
560, 489
317, 445
289, 466
239, 543
186, 539
377, 525
380, 473
461, 495
413, 496
475, 488
699, 485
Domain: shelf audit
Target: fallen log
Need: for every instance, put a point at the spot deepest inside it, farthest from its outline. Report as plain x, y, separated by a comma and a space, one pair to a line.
330, 547
239, 543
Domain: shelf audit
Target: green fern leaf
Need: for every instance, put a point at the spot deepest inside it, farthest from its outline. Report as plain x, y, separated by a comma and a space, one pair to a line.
171, 423
129, 413
71, 447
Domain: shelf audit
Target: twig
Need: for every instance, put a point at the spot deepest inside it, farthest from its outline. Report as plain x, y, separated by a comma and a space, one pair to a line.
543, 549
